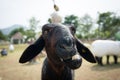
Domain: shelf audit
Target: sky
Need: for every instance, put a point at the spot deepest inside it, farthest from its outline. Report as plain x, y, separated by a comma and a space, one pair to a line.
20, 11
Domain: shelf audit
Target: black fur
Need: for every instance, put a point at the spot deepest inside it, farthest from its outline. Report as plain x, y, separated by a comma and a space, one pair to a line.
53, 67
32, 50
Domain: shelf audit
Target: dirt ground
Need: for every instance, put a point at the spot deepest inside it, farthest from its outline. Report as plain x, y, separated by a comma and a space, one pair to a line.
10, 69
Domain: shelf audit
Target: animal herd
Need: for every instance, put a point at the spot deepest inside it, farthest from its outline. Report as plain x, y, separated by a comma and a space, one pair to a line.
65, 52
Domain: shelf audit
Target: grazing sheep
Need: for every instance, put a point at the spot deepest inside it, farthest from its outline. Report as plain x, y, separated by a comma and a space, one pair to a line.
102, 48
63, 52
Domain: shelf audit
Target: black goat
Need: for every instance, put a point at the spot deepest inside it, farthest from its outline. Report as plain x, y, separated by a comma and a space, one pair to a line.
63, 52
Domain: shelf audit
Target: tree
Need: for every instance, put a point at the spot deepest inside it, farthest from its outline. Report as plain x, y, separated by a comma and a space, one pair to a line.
109, 24
85, 26
2, 36
33, 23
30, 34
72, 19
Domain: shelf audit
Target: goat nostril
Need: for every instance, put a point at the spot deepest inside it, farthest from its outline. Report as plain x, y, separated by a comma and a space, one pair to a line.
68, 41
62, 46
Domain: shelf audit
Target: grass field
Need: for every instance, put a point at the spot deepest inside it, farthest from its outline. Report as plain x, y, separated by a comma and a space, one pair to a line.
11, 69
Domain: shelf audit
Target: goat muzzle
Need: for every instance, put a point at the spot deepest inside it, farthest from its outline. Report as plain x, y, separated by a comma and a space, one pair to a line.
74, 62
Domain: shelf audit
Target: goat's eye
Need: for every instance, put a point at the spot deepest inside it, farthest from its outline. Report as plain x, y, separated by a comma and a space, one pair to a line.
47, 31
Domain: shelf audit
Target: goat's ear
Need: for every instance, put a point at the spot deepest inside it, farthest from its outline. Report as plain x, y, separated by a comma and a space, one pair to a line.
85, 52
32, 51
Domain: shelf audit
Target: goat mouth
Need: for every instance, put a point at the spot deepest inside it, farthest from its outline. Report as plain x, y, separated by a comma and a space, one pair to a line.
64, 51
68, 55
73, 62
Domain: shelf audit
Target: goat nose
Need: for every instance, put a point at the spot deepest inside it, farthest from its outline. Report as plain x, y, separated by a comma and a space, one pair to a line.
67, 40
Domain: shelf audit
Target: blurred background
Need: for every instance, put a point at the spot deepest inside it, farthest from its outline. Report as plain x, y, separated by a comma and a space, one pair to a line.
21, 22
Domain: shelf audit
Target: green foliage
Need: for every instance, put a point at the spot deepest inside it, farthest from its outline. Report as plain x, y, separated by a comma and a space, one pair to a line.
2, 36
49, 20
85, 26
117, 36
33, 23
109, 24
30, 33
72, 19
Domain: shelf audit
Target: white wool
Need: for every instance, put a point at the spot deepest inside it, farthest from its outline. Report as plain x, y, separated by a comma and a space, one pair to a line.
105, 47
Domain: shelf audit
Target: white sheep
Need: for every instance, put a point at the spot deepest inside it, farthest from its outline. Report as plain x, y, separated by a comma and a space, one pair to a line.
102, 48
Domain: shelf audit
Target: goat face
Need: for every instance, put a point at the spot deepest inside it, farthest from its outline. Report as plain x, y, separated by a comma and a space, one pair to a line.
60, 45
